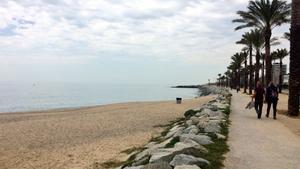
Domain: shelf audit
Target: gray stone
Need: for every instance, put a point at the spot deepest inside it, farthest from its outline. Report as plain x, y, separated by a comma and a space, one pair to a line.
187, 167
184, 147
206, 111
142, 161
220, 105
134, 167
152, 149
202, 124
216, 114
200, 139
195, 120
213, 108
174, 130
198, 114
158, 165
183, 159
189, 122
203, 121
178, 133
194, 131
212, 126
190, 128
220, 136
188, 143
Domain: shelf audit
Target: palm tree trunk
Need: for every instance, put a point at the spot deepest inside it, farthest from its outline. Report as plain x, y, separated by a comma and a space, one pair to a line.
257, 57
250, 72
239, 79
263, 73
245, 76
268, 34
294, 79
280, 76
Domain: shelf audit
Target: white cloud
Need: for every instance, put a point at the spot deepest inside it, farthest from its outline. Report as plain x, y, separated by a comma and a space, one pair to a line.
162, 29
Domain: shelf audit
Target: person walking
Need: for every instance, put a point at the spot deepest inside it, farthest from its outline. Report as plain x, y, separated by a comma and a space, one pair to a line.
259, 99
272, 99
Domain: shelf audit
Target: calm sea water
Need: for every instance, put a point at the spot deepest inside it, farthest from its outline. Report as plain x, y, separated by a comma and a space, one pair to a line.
41, 96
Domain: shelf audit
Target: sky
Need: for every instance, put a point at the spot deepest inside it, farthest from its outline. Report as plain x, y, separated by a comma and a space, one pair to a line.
119, 41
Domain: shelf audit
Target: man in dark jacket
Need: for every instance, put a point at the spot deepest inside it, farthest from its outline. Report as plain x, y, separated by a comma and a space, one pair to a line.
272, 98
259, 98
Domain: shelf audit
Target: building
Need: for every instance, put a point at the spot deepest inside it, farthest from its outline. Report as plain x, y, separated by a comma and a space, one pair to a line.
276, 72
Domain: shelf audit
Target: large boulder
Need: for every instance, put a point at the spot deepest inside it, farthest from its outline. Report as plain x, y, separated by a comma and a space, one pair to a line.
187, 167
134, 167
220, 136
184, 147
194, 119
192, 143
200, 139
151, 148
216, 114
175, 130
189, 122
158, 165
206, 111
191, 130
212, 126
183, 159
220, 105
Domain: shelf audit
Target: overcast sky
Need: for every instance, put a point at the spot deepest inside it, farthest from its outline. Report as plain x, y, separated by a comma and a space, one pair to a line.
118, 41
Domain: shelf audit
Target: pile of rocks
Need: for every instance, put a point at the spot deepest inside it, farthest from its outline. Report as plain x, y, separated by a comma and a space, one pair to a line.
184, 144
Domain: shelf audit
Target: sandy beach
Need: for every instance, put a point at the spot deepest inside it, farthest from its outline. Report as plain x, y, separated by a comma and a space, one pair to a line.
78, 138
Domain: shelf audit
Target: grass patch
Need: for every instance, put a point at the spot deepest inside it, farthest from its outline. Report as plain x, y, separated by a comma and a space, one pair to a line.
167, 128
133, 149
190, 113
172, 142
108, 164
219, 147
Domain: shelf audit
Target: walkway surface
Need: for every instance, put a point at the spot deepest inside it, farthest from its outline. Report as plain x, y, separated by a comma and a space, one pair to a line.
259, 144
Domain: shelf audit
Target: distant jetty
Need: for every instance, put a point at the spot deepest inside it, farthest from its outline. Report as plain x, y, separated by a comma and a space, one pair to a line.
204, 90
187, 86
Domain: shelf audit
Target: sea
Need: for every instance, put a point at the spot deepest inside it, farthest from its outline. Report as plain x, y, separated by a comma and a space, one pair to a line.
23, 97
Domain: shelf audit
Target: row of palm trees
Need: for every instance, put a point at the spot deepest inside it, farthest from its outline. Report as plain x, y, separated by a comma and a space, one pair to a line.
263, 16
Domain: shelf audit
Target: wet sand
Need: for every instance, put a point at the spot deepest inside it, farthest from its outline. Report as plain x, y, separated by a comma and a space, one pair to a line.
78, 138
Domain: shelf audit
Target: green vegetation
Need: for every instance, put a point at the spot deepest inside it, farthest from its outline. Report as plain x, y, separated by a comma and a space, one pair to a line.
172, 142
190, 113
219, 147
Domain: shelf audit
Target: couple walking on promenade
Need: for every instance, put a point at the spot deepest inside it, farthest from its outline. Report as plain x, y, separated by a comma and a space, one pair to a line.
271, 97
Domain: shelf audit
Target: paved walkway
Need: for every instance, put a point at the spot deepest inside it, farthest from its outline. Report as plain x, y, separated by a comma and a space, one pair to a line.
259, 144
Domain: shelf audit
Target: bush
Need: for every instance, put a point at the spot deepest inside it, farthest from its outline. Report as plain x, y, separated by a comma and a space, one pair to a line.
189, 113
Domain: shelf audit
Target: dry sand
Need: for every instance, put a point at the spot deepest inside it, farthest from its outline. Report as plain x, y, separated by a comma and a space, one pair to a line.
78, 138
293, 123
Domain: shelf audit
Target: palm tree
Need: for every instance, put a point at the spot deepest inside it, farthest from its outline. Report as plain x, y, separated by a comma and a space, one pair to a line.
258, 44
232, 81
287, 35
244, 55
280, 54
263, 56
247, 40
219, 79
235, 66
227, 76
265, 15
294, 79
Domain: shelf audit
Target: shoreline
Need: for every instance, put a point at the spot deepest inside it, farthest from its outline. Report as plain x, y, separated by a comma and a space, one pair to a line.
49, 106
77, 138
88, 107
92, 106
